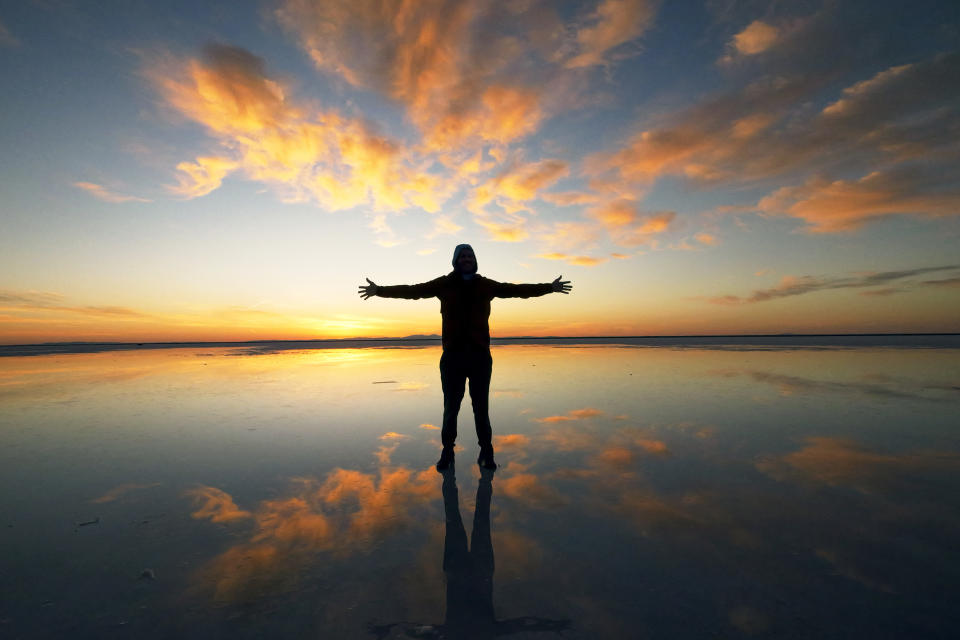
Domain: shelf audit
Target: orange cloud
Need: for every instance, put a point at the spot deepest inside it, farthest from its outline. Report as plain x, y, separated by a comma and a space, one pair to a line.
102, 193
199, 178
121, 490
503, 115
586, 413
442, 60
303, 153
349, 511
215, 505
576, 414
580, 261
511, 441
29, 303
525, 181
614, 23
528, 489
616, 457
504, 232
757, 37
619, 213
627, 227
840, 462
858, 96
649, 445
840, 205
511, 189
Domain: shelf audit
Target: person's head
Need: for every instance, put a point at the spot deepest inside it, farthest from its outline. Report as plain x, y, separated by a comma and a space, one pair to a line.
464, 259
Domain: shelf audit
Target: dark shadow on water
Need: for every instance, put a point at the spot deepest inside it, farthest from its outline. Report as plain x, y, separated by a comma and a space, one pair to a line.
469, 568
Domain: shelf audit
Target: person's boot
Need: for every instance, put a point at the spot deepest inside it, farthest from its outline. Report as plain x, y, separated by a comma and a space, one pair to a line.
446, 459
486, 458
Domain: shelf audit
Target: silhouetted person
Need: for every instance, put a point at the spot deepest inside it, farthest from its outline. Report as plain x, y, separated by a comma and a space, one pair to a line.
465, 299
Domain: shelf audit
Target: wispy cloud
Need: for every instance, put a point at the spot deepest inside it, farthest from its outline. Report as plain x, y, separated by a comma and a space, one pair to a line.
612, 24
575, 414
579, 261
891, 125
41, 301
196, 179
627, 226
119, 491
102, 193
799, 285
844, 205
520, 183
571, 198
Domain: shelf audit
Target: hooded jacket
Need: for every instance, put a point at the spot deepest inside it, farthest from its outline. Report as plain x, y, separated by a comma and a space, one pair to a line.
464, 304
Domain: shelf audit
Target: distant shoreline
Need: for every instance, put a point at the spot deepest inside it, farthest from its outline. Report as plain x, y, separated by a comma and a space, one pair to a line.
827, 340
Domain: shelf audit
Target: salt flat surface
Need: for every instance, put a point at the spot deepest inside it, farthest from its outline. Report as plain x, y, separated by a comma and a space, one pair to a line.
678, 490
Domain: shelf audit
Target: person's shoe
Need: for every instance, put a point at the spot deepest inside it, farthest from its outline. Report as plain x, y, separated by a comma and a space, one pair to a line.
446, 459
486, 458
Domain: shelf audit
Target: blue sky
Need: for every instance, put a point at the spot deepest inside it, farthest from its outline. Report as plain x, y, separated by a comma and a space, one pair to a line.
233, 170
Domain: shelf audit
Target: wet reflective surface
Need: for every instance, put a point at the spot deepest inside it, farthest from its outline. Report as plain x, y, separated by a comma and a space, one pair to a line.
674, 492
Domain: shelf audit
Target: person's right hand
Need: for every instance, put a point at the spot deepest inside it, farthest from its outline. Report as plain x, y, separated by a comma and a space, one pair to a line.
368, 290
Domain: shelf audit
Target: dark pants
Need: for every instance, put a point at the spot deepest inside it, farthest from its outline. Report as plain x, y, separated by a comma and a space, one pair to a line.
456, 367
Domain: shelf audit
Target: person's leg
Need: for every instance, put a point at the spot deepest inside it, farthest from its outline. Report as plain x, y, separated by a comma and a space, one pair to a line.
480, 370
452, 379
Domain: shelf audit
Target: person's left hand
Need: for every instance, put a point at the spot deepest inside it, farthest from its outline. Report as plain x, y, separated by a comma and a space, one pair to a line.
561, 286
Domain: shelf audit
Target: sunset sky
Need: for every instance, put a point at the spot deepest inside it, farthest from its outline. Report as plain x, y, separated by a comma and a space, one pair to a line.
233, 170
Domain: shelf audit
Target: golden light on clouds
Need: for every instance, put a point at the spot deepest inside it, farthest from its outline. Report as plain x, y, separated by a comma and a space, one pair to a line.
757, 37
846, 205
580, 261
304, 153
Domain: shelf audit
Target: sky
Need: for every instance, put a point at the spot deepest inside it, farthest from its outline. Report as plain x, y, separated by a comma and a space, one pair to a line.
234, 170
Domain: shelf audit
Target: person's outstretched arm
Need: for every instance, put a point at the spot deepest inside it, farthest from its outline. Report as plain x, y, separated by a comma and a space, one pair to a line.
508, 290
407, 291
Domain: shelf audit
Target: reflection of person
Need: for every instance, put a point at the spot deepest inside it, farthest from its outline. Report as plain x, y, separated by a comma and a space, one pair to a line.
469, 574
465, 308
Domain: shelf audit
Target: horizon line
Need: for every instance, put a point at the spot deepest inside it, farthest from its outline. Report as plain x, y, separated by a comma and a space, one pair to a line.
437, 338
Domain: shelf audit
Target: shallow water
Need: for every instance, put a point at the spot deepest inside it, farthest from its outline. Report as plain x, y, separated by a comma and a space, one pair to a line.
671, 492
